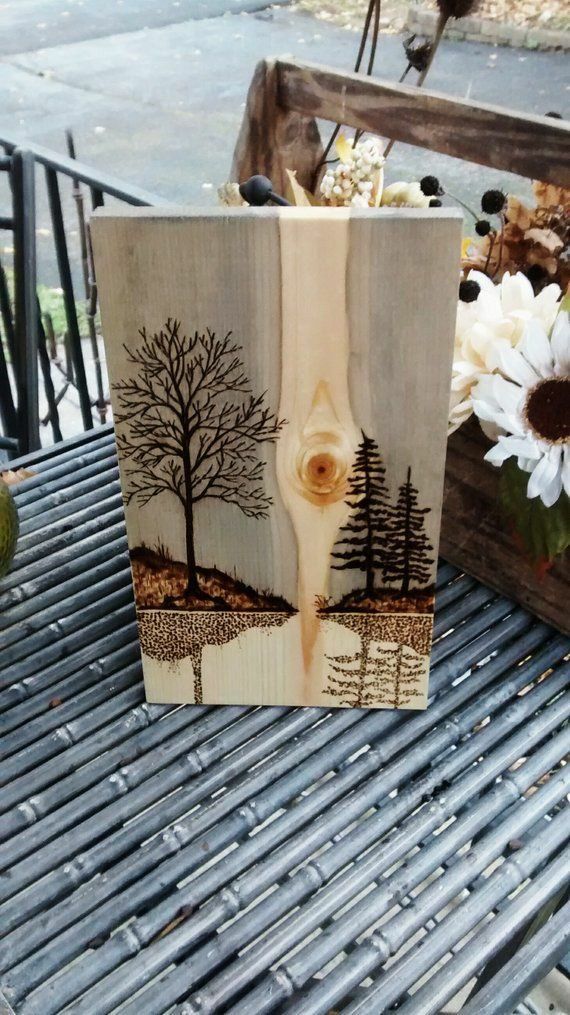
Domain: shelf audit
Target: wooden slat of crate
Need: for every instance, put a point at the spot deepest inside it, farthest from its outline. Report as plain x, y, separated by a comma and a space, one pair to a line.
475, 537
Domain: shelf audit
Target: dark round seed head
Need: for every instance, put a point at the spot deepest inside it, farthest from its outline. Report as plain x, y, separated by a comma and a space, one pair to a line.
430, 185
469, 290
483, 227
536, 276
257, 190
493, 202
435, 202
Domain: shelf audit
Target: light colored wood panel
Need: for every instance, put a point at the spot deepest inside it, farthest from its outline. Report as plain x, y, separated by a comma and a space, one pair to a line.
311, 573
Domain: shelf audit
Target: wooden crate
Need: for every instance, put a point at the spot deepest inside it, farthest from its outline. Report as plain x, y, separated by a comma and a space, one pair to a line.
279, 132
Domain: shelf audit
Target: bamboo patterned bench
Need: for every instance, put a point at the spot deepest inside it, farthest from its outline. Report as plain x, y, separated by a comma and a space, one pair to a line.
195, 859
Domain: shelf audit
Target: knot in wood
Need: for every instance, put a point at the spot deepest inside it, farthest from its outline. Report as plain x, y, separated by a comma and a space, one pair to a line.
323, 465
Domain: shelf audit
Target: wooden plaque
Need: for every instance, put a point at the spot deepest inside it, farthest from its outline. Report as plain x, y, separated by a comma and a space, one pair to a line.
280, 383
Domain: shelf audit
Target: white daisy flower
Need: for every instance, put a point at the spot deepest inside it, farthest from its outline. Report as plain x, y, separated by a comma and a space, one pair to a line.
500, 312
529, 401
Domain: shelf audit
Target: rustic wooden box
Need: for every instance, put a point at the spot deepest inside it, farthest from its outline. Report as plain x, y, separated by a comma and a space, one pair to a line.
279, 132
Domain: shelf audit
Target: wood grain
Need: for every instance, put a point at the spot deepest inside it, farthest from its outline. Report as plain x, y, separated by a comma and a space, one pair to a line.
534, 146
272, 139
475, 537
308, 313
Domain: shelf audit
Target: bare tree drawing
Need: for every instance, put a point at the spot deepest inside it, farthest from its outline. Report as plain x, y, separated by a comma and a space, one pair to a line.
191, 426
362, 544
409, 562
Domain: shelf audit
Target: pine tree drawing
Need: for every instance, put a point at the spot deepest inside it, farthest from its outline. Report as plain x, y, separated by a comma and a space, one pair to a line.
362, 542
409, 676
386, 674
362, 679
409, 562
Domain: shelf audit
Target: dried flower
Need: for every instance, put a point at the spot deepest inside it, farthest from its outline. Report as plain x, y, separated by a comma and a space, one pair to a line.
431, 186
535, 241
483, 227
229, 195
417, 53
357, 180
456, 8
493, 202
469, 290
404, 195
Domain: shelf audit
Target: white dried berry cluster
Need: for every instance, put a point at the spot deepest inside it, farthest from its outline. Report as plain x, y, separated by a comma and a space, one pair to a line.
356, 179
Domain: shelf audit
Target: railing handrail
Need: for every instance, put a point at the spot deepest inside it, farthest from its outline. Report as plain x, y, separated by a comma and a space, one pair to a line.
97, 179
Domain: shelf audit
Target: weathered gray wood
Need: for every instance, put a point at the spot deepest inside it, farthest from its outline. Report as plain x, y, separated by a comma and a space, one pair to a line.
476, 537
534, 146
272, 139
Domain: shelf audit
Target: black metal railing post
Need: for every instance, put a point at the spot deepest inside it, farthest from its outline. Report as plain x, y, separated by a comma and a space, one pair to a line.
25, 306
62, 255
27, 342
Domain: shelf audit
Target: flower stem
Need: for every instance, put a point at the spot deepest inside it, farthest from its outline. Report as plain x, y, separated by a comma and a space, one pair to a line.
373, 8
443, 19
501, 248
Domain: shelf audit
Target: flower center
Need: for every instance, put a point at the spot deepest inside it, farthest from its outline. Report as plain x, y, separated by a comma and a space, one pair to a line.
547, 409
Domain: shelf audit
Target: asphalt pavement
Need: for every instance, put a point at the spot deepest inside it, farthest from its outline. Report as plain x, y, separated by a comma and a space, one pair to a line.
154, 91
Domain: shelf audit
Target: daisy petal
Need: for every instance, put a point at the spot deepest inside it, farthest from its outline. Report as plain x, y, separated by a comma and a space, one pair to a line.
541, 477
536, 348
546, 304
515, 366
551, 493
486, 284
497, 455
560, 341
526, 447
488, 412
507, 395
566, 470
516, 293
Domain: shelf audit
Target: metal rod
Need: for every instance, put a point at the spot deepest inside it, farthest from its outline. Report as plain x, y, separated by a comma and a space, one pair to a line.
25, 312
62, 255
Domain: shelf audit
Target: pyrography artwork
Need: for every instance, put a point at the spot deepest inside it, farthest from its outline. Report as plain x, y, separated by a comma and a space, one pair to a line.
280, 409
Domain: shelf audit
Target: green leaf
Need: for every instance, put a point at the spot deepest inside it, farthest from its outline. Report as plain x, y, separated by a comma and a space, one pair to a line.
544, 532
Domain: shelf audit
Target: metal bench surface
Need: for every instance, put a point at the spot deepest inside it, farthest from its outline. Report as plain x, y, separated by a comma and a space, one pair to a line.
162, 859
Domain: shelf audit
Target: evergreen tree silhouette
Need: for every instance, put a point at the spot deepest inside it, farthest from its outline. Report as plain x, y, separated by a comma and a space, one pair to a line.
362, 542
409, 562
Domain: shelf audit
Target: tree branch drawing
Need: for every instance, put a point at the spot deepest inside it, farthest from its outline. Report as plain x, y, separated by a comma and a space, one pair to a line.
191, 426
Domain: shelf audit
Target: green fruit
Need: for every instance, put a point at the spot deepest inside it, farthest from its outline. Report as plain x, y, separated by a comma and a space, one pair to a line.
9, 528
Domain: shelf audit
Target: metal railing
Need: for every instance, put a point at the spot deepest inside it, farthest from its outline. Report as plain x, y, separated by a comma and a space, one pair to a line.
27, 348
